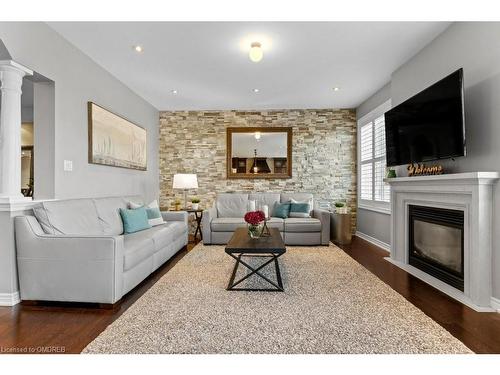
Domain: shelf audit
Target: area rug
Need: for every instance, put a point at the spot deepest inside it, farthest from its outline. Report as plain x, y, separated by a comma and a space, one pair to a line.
331, 304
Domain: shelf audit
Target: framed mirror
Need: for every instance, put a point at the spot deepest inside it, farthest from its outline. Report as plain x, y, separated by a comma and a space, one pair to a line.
259, 152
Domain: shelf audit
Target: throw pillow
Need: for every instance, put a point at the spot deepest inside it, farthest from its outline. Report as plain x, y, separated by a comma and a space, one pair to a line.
300, 209
134, 205
282, 210
134, 220
153, 211
251, 206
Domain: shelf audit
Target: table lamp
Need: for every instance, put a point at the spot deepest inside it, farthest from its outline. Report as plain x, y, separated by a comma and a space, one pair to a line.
185, 181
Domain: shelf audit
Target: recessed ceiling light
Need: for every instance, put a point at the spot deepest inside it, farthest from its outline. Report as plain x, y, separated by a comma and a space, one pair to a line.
255, 54
256, 90
138, 49
336, 88
174, 92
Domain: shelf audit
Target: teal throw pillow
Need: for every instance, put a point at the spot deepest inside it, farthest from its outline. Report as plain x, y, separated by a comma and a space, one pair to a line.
153, 213
282, 210
299, 209
134, 220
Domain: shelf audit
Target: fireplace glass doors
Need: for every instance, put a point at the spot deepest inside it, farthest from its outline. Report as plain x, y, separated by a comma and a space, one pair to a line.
436, 243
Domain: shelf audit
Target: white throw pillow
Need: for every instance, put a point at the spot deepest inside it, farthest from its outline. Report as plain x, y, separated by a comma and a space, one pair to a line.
154, 204
251, 205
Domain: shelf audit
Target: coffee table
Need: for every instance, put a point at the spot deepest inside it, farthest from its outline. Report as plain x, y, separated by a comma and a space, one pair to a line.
241, 245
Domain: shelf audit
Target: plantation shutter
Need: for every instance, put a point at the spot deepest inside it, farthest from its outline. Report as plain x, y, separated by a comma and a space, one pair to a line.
366, 179
373, 162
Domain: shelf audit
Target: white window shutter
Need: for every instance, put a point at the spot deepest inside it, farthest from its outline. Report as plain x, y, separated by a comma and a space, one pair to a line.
366, 181
379, 135
373, 190
367, 142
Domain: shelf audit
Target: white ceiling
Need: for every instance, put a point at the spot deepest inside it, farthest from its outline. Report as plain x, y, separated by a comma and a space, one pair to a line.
208, 65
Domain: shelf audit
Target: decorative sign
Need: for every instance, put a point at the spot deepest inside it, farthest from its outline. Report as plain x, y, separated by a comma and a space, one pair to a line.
423, 170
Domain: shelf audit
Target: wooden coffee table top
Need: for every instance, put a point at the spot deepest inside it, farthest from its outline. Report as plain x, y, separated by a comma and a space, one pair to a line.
241, 242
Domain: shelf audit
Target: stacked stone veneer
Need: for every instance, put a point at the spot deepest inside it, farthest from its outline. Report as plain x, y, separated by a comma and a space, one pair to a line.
323, 153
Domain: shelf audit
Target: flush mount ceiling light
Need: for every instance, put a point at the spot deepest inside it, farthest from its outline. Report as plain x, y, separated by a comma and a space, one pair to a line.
174, 92
336, 88
138, 49
256, 52
255, 90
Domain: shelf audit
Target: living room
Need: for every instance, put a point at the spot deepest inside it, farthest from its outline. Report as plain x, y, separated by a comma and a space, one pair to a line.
193, 186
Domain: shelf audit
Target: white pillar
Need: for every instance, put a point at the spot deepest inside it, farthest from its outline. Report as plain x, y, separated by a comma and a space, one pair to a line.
11, 80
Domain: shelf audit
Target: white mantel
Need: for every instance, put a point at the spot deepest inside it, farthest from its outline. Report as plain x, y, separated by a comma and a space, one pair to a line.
471, 193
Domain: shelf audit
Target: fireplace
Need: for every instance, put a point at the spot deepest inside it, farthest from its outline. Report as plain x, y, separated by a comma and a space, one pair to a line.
436, 243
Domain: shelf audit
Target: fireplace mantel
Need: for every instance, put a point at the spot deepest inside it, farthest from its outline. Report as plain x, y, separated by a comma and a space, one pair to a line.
471, 193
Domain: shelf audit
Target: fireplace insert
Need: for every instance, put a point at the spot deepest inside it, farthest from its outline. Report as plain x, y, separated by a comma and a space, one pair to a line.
436, 243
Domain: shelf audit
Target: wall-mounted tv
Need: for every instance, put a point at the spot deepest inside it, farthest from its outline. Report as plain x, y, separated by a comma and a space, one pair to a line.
429, 125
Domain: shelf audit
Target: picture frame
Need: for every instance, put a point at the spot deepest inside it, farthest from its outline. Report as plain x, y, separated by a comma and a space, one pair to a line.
114, 140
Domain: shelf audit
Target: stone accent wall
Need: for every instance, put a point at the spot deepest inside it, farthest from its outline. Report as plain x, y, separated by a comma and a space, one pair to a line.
323, 149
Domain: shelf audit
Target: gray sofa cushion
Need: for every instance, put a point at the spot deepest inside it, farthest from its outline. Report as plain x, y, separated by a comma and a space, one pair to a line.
71, 216
165, 234
232, 205
108, 211
137, 247
302, 225
271, 199
229, 224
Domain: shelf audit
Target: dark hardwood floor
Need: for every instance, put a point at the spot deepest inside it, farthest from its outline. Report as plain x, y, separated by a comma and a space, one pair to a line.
69, 328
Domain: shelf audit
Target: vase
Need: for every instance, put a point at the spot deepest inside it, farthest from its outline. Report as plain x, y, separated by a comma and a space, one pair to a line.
194, 206
254, 231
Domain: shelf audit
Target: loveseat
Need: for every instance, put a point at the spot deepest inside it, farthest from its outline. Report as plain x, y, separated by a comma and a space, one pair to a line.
75, 250
226, 214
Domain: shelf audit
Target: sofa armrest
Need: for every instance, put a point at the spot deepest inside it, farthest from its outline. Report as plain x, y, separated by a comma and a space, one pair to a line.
175, 216
77, 268
208, 215
324, 217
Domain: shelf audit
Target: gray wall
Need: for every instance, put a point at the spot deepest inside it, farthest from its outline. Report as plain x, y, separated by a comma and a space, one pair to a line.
380, 97
78, 79
475, 47
372, 223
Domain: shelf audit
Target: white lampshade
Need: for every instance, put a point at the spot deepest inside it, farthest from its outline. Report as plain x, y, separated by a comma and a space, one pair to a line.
185, 181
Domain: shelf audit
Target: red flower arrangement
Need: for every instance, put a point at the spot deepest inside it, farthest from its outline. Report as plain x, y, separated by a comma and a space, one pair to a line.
255, 217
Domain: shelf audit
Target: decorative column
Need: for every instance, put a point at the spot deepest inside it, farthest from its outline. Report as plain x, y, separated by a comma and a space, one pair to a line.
11, 80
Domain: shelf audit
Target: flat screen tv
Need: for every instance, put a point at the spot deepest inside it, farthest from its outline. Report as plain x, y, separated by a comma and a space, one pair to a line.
429, 125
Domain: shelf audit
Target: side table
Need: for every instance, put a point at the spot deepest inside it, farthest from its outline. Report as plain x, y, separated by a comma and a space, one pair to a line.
198, 215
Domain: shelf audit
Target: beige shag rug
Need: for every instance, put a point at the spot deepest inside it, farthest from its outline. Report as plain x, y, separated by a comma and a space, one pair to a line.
331, 304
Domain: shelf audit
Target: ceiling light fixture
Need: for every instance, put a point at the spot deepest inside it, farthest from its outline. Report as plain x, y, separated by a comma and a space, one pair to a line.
174, 92
257, 135
138, 49
336, 88
255, 53
255, 90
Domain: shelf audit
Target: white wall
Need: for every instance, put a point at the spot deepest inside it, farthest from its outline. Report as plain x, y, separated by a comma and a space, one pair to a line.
475, 47
77, 80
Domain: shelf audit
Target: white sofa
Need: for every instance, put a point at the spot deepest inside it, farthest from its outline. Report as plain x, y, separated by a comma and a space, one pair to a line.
75, 250
220, 221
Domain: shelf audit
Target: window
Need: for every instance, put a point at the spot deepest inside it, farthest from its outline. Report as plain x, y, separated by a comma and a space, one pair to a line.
374, 193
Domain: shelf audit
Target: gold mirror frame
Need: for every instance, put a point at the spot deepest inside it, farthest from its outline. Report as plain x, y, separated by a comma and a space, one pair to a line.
229, 152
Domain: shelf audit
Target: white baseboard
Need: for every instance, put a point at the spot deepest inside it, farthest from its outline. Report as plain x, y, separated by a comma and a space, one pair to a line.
9, 299
373, 240
495, 303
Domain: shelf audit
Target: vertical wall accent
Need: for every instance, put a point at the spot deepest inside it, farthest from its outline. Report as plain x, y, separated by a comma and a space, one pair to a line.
324, 153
